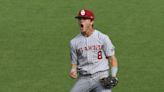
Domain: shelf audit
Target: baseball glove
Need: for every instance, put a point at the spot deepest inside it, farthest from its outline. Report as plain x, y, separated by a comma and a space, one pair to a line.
109, 82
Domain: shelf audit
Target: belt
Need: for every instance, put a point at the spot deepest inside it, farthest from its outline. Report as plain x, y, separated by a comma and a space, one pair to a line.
97, 74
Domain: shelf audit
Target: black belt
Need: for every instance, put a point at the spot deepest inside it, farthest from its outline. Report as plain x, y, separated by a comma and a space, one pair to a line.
86, 75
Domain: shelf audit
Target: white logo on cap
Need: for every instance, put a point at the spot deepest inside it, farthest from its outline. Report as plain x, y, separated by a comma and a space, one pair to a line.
82, 12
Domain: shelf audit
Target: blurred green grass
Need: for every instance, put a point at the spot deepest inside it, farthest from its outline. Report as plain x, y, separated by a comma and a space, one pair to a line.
35, 34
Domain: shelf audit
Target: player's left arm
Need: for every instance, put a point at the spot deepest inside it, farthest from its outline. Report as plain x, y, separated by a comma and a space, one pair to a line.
114, 65
109, 50
111, 81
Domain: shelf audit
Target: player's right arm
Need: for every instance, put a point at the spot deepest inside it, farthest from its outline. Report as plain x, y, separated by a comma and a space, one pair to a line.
73, 55
73, 72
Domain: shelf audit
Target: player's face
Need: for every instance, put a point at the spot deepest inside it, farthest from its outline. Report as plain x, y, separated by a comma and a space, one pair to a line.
85, 24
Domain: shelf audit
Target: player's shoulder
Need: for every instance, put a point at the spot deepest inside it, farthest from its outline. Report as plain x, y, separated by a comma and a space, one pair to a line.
75, 39
101, 35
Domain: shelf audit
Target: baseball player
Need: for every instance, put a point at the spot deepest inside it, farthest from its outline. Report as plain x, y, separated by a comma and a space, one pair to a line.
92, 56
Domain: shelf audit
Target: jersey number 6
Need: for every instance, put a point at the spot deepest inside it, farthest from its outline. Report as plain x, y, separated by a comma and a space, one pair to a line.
99, 55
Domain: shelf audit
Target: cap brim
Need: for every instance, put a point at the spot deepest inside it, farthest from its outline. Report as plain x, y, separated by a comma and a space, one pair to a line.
80, 17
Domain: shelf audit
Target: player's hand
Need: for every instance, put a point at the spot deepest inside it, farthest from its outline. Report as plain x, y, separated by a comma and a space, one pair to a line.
109, 82
73, 74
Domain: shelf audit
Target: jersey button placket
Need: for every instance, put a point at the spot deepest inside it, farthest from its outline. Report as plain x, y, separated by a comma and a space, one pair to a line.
87, 43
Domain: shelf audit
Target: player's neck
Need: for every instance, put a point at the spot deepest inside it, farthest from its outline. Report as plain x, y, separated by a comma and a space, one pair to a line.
88, 32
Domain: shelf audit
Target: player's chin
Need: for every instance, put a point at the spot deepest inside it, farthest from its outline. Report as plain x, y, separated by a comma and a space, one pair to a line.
82, 30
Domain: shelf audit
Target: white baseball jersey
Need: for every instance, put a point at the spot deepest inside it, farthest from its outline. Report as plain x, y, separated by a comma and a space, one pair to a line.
90, 53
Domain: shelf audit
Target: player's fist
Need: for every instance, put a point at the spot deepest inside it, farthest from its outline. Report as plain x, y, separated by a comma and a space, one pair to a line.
73, 73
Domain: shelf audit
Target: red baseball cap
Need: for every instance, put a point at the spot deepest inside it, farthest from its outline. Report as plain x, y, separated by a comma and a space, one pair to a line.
85, 14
